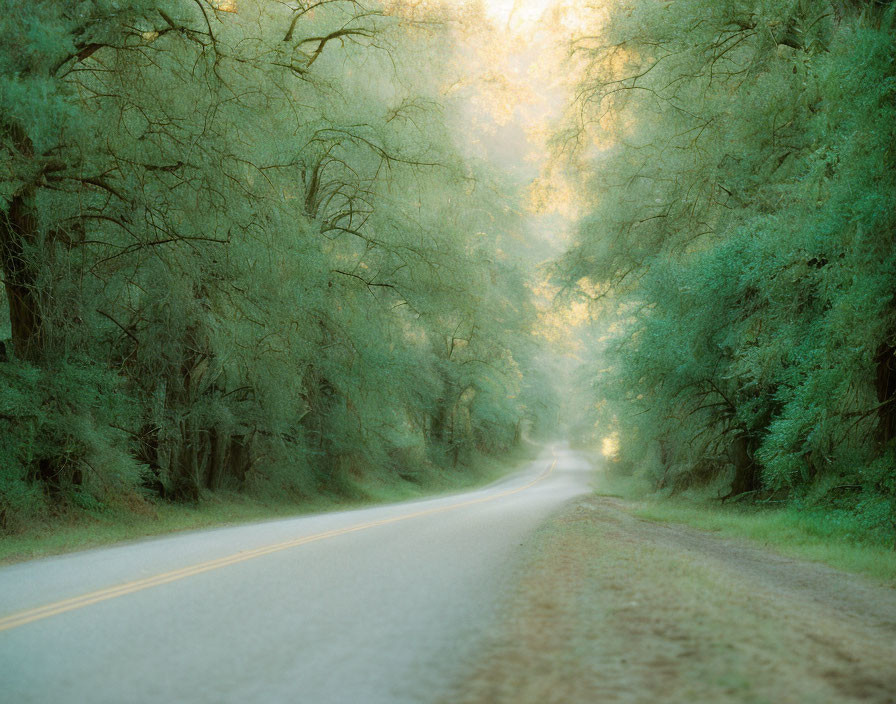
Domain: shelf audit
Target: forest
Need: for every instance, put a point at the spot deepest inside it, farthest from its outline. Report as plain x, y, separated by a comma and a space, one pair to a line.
737, 247
250, 245
240, 250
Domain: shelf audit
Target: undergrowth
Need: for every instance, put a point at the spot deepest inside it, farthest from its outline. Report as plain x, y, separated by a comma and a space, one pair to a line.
79, 528
843, 538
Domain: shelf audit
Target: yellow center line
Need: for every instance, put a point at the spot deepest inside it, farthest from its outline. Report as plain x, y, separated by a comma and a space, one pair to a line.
78, 602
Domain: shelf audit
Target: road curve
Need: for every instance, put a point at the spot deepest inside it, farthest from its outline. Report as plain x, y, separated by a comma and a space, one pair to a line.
377, 605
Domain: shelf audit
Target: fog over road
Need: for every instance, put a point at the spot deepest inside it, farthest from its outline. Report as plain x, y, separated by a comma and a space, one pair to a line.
383, 604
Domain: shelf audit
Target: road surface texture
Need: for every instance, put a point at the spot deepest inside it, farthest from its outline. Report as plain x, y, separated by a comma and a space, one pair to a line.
610, 609
530, 591
379, 605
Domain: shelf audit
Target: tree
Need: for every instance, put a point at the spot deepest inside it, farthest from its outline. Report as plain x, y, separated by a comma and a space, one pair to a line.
741, 235
235, 243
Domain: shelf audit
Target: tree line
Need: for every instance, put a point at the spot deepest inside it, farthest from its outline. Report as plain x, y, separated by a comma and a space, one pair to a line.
738, 247
241, 249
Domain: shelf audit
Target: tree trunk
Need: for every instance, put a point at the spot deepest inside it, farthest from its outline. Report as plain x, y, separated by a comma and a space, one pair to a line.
18, 229
217, 458
439, 421
240, 456
185, 466
885, 385
746, 471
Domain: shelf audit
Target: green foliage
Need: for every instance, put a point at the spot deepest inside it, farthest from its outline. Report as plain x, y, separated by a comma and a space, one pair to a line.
234, 255
743, 229
60, 439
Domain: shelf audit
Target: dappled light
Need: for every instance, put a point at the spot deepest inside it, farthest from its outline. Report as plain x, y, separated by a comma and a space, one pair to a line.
268, 256
283, 247
609, 446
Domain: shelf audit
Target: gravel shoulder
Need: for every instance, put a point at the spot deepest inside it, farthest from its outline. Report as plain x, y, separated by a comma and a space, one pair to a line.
611, 608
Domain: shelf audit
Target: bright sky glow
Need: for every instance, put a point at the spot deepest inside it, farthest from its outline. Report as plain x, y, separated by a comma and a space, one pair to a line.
516, 11
610, 446
515, 81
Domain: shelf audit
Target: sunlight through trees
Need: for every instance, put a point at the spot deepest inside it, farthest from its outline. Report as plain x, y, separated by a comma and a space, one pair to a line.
241, 249
738, 245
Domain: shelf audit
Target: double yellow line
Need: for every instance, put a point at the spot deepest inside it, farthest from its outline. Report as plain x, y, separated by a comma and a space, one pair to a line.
59, 607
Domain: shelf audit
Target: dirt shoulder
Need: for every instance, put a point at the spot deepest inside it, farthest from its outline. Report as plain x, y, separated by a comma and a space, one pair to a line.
612, 608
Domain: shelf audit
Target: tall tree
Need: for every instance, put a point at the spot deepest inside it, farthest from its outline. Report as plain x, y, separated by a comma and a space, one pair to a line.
740, 235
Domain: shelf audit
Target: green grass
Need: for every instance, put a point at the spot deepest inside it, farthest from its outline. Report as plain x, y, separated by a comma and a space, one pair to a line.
82, 530
838, 538
88, 529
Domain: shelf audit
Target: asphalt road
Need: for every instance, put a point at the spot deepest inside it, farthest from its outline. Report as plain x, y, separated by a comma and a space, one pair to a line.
378, 605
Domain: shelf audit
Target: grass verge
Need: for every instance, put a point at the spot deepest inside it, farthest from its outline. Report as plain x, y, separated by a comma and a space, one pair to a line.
838, 538
89, 529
